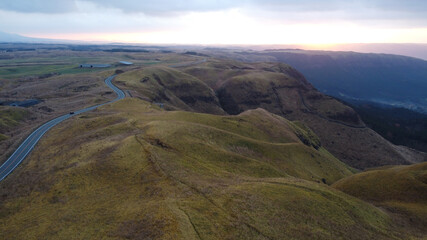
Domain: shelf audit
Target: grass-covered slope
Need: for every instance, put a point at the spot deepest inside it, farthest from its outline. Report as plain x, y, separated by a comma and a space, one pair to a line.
130, 171
12, 120
10, 117
58, 95
401, 188
172, 88
282, 90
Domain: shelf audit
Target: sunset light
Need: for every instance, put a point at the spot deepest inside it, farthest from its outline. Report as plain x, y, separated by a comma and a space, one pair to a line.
234, 27
229, 24
213, 119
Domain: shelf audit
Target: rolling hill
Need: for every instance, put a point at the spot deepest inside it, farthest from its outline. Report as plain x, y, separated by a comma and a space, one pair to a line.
173, 88
401, 189
244, 151
132, 171
233, 87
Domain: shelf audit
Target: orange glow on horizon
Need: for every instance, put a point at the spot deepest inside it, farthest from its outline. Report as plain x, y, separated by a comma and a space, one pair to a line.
315, 38
233, 27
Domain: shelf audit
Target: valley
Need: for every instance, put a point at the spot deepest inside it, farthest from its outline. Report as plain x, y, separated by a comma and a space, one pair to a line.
391, 80
140, 172
228, 86
203, 146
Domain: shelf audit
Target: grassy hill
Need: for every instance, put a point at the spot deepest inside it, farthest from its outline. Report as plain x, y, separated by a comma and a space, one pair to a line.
401, 189
132, 171
173, 88
282, 90
218, 86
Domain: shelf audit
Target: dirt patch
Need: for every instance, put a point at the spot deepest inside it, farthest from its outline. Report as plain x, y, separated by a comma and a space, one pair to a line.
145, 79
159, 143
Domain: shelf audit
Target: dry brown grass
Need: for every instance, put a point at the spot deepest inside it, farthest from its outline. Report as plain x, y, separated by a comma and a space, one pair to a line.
280, 89
132, 171
60, 95
401, 189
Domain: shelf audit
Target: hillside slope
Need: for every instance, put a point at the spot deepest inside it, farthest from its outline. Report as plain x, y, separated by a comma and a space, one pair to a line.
401, 189
58, 95
130, 171
282, 90
173, 88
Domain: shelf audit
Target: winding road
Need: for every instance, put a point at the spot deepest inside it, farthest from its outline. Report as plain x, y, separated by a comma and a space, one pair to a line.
27, 146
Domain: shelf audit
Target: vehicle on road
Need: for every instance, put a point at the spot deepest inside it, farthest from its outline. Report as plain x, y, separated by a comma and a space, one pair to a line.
29, 143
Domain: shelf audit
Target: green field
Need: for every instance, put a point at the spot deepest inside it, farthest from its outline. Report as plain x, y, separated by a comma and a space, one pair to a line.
67, 62
38, 70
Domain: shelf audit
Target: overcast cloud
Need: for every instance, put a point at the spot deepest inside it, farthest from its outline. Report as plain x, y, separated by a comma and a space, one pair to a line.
164, 7
39, 6
80, 16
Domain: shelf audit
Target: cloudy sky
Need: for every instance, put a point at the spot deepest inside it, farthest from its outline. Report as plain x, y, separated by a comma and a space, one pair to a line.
219, 21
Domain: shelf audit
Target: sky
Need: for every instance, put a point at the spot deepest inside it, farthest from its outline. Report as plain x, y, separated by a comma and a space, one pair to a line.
315, 22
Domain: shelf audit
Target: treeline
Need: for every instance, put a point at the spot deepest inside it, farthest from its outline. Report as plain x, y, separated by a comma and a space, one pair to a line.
398, 125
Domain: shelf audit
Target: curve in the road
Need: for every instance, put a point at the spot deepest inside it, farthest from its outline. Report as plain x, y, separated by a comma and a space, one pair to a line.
25, 148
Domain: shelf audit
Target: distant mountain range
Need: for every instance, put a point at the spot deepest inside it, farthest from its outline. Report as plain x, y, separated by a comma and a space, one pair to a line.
16, 38
418, 50
10, 37
387, 79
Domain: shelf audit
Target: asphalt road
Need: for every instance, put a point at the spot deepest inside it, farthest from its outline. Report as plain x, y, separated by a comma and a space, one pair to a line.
27, 146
